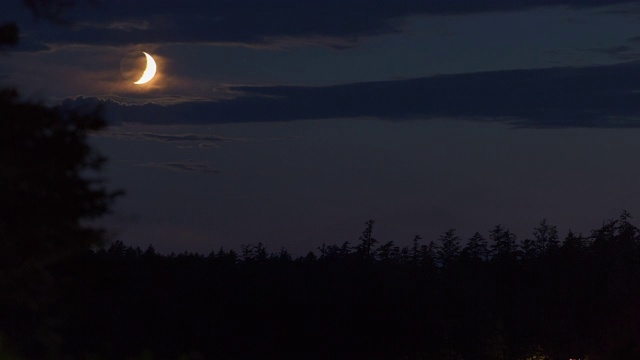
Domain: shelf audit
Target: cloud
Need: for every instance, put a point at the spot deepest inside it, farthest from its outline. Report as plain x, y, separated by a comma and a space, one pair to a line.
620, 53
597, 96
183, 141
336, 23
184, 166
115, 25
170, 138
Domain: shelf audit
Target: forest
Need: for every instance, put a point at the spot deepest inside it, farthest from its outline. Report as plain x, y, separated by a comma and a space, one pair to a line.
485, 297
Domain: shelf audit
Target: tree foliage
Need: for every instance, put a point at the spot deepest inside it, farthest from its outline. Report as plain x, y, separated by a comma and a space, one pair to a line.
46, 191
49, 191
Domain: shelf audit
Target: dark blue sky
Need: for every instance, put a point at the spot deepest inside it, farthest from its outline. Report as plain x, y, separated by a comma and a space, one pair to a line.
293, 122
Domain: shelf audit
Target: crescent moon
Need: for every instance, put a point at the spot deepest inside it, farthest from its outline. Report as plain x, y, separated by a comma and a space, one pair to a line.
149, 72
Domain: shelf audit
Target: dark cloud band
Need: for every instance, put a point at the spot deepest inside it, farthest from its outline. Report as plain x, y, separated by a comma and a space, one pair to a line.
259, 22
600, 96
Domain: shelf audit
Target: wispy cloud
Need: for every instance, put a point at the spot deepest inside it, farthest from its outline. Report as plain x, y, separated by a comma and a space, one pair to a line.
621, 52
114, 25
184, 166
168, 137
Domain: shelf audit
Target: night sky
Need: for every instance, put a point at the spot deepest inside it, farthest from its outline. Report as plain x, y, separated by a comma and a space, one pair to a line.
292, 122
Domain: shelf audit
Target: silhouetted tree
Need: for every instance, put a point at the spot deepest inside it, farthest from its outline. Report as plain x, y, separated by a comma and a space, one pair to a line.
503, 243
545, 237
386, 251
449, 248
626, 232
48, 191
428, 256
415, 249
367, 241
476, 248
254, 253
573, 244
345, 249
150, 252
605, 233
327, 251
283, 256
529, 249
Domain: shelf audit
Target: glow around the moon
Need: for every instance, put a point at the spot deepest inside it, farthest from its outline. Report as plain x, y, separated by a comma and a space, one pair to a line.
149, 72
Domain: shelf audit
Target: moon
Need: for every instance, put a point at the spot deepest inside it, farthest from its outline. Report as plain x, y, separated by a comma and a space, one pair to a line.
149, 71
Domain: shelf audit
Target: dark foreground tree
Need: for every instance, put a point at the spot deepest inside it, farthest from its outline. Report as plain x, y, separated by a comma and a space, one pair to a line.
47, 196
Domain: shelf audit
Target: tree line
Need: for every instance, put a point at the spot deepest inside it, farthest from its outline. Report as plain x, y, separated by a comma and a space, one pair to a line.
486, 297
